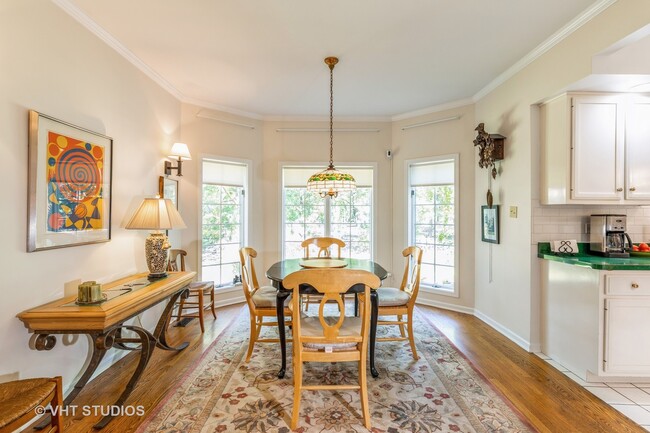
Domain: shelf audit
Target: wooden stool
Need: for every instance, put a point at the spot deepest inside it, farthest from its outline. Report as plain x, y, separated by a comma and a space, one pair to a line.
20, 398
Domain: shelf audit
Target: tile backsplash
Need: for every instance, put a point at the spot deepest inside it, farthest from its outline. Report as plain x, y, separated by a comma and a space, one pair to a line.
555, 222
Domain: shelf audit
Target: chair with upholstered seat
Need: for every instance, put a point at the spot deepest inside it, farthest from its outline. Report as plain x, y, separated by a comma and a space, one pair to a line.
261, 301
400, 301
330, 338
198, 292
324, 247
20, 400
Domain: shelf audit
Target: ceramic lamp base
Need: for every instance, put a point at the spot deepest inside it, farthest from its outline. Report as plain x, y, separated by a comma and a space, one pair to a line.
156, 250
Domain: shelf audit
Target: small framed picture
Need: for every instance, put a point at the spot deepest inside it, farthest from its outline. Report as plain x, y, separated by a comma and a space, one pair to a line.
69, 185
168, 188
490, 224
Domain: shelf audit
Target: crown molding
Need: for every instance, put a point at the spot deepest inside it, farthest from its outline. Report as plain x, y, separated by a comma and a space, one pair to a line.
434, 109
210, 106
102, 34
545, 46
337, 119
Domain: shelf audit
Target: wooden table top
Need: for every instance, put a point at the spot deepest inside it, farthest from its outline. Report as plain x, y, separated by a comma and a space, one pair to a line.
279, 270
65, 315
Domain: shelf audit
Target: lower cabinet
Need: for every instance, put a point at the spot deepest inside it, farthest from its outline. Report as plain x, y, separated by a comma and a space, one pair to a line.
596, 323
627, 336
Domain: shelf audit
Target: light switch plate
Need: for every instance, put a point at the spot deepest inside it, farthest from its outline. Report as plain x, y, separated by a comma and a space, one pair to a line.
513, 211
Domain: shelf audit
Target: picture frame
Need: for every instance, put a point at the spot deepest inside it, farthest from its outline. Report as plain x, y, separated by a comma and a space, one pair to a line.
69, 184
490, 224
168, 188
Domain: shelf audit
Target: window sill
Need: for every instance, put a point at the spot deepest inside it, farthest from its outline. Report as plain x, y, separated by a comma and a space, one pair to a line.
453, 293
228, 289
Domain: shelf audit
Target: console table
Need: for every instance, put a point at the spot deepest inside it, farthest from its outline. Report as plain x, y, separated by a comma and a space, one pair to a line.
104, 323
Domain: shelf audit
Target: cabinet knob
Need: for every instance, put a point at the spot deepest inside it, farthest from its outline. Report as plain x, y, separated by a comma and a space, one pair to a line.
633, 189
635, 286
619, 189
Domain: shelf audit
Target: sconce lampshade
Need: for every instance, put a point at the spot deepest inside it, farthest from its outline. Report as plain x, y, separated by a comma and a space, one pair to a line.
180, 151
156, 214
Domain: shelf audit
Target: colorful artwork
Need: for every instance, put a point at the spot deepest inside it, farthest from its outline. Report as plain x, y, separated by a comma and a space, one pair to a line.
69, 186
74, 174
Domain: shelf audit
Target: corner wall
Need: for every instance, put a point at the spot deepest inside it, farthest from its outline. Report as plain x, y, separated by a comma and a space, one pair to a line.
53, 65
507, 286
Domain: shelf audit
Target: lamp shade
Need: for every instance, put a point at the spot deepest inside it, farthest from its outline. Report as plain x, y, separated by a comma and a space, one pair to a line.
156, 214
180, 151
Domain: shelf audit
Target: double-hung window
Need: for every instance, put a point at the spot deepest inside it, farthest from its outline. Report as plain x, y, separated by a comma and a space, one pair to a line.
433, 210
348, 217
223, 220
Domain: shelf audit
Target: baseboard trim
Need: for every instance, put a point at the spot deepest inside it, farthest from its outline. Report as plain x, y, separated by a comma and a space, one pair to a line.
445, 306
524, 344
229, 301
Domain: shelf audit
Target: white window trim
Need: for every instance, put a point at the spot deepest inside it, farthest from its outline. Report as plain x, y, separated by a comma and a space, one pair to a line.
248, 197
321, 166
409, 232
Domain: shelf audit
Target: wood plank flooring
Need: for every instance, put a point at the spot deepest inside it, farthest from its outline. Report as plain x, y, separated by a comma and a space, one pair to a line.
547, 398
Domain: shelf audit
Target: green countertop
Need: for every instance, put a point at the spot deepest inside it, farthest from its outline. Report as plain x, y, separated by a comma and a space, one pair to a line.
583, 258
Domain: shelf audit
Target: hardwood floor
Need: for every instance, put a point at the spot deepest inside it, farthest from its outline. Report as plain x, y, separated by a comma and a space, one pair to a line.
547, 398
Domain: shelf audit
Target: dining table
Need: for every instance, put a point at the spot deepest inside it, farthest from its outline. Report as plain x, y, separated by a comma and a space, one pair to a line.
278, 271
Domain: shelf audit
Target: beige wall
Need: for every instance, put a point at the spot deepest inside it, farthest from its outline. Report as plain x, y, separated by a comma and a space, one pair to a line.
51, 64
507, 287
450, 137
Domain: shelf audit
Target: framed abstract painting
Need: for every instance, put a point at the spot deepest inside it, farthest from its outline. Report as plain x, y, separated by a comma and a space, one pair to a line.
69, 184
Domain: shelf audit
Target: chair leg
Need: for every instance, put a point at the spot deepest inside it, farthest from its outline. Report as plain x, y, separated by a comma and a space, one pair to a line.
57, 402
411, 339
252, 338
214, 313
201, 311
401, 327
180, 310
363, 389
297, 387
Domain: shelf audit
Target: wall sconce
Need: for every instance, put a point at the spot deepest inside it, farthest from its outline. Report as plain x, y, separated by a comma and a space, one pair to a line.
181, 153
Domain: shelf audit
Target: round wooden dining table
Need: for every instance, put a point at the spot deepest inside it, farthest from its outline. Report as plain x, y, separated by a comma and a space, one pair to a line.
277, 272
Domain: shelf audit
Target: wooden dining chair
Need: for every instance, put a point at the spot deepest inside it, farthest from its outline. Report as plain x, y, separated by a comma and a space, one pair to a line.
20, 400
198, 292
331, 339
400, 301
261, 301
324, 247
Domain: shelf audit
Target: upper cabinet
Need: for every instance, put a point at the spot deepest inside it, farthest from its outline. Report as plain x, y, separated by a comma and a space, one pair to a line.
595, 149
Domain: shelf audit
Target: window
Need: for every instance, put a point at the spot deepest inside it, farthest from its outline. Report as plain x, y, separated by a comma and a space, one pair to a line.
348, 217
223, 220
432, 220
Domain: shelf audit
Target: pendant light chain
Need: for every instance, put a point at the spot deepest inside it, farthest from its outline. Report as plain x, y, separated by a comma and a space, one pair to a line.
331, 116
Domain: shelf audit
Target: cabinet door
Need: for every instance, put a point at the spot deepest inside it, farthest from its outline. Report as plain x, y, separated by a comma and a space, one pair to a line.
597, 164
637, 149
627, 336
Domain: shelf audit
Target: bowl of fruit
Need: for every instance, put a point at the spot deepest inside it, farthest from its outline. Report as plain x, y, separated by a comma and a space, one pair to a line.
642, 250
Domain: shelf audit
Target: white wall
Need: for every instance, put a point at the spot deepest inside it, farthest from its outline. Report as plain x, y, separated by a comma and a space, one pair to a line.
453, 136
507, 286
52, 65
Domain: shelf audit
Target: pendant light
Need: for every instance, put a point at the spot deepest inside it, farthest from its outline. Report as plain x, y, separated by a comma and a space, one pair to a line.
330, 181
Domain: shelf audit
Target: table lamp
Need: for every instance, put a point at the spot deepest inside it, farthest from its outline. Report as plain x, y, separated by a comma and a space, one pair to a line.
156, 214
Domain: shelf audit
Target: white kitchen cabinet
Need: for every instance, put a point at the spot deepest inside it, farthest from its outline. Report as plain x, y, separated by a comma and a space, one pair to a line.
627, 336
594, 148
637, 148
596, 323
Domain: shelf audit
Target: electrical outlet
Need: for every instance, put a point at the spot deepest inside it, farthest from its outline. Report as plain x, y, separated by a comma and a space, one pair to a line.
513, 211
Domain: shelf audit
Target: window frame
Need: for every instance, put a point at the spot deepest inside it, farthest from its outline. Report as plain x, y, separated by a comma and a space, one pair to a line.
318, 167
410, 225
247, 202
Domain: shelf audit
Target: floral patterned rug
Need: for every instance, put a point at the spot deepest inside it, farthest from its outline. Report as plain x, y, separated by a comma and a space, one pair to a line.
441, 392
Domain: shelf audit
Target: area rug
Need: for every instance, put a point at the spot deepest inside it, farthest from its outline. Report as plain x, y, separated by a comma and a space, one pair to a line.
441, 392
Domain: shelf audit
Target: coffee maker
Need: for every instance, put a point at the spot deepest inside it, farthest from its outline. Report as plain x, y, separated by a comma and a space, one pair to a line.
607, 236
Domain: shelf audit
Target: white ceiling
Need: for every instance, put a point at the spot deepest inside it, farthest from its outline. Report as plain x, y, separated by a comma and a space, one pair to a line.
266, 57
